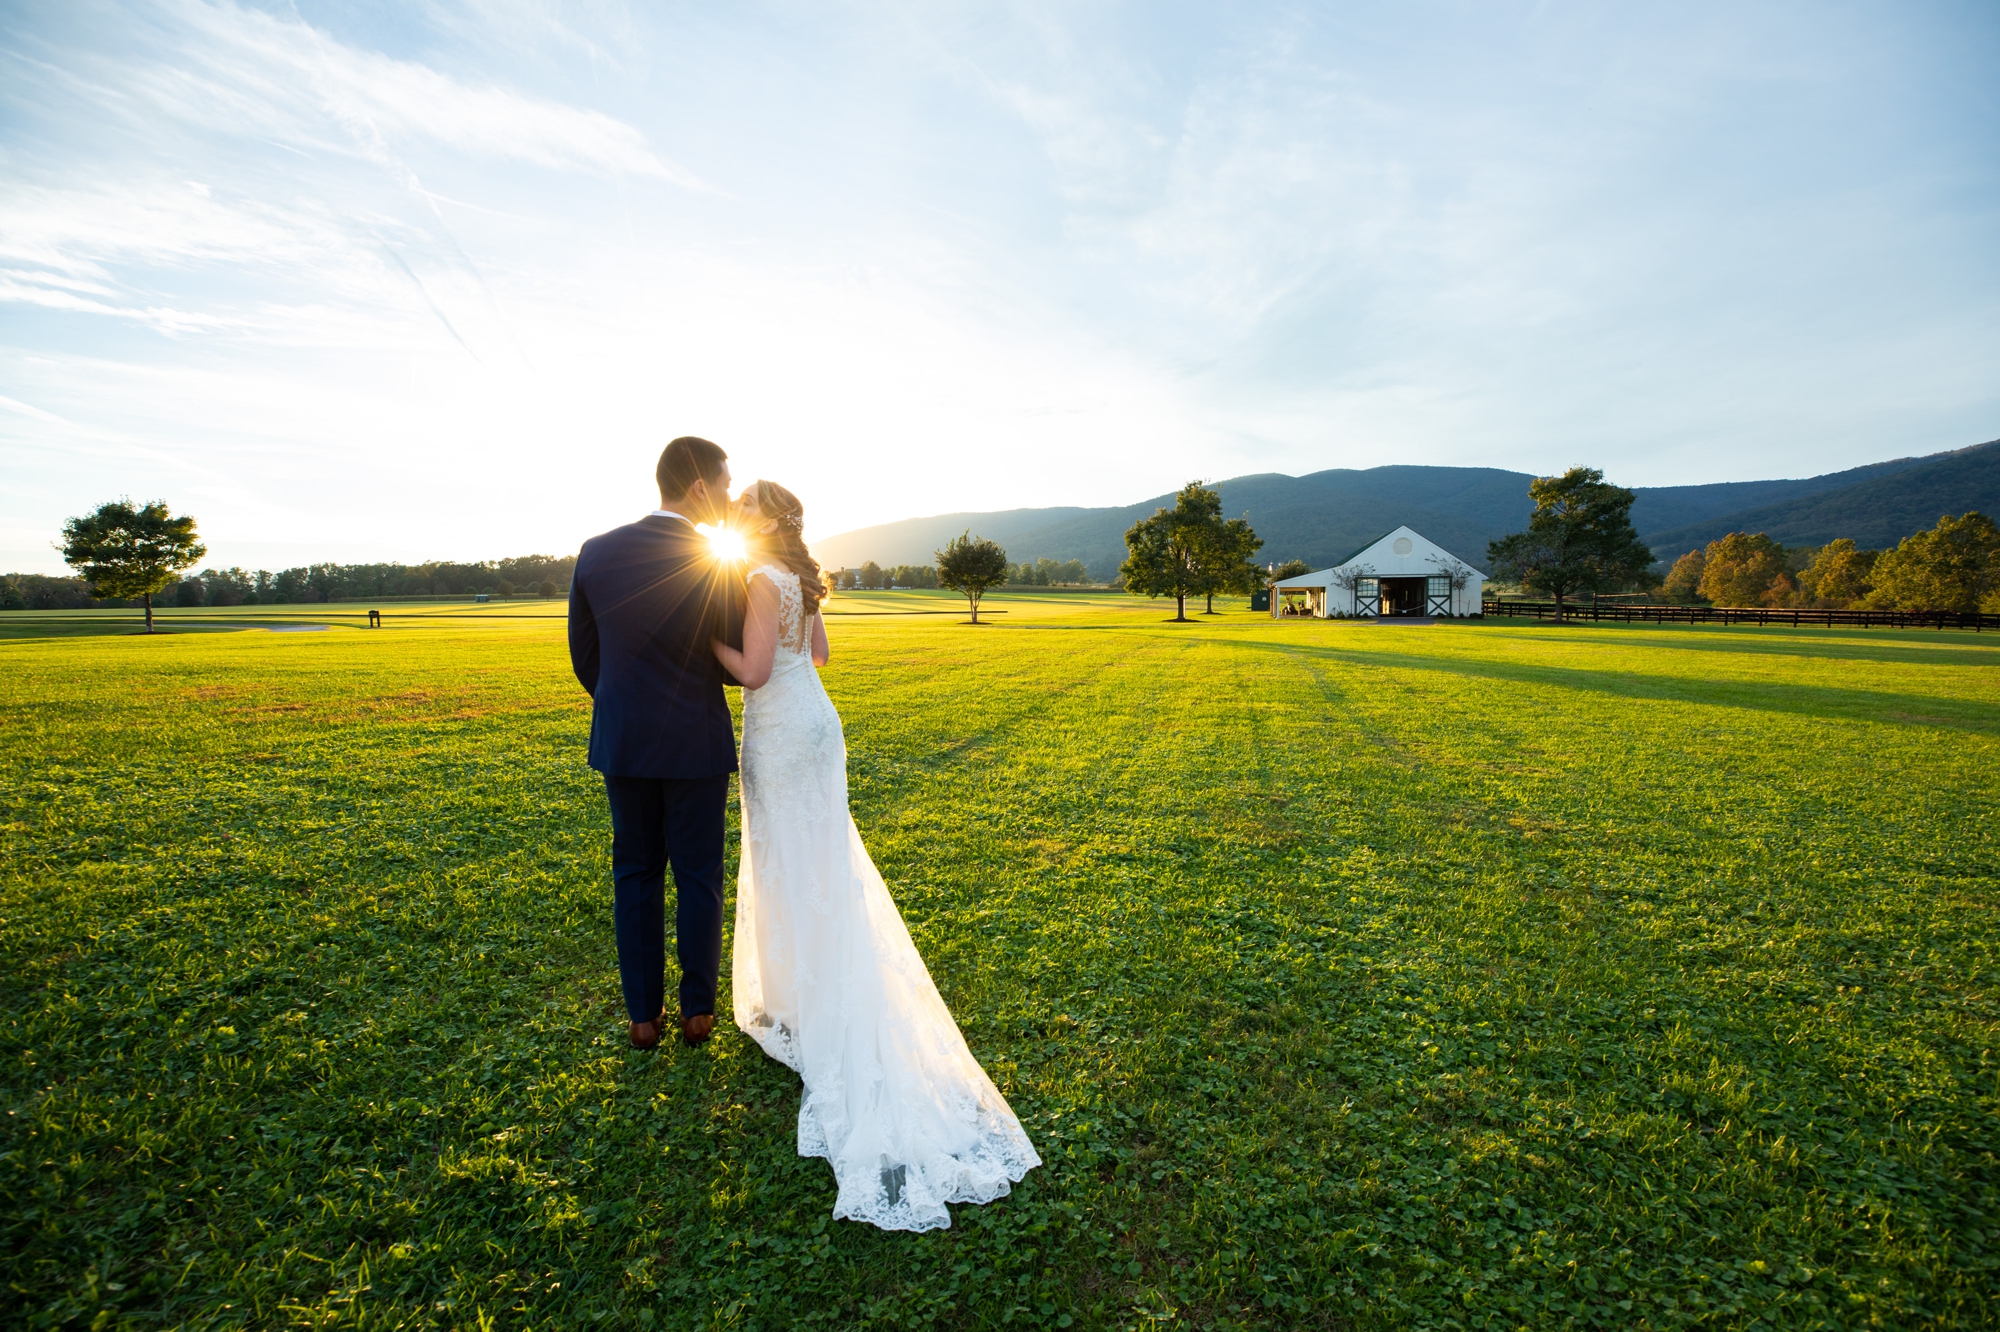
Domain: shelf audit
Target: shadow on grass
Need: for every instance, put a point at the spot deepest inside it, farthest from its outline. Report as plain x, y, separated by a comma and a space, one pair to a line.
1786, 641
1796, 699
32, 632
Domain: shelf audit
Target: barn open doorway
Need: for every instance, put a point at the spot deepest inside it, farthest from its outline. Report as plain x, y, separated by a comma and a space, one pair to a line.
1403, 596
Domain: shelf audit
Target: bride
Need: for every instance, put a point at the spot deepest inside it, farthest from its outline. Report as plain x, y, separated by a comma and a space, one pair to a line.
825, 976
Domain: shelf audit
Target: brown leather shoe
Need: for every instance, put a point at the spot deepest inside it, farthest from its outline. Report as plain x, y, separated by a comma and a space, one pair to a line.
695, 1030
647, 1035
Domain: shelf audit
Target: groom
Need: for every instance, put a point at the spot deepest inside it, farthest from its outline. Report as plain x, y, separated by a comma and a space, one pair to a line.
644, 602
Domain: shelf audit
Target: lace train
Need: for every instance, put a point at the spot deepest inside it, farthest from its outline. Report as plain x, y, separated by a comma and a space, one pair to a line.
828, 982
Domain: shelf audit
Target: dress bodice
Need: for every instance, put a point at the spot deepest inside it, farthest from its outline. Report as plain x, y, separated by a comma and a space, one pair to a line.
794, 625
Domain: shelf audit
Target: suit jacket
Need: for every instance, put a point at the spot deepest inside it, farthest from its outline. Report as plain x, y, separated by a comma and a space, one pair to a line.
644, 602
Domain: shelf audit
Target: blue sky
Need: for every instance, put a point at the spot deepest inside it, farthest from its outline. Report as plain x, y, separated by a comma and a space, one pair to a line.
409, 280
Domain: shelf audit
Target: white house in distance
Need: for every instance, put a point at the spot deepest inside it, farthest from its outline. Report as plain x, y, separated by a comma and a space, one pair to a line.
1403, 573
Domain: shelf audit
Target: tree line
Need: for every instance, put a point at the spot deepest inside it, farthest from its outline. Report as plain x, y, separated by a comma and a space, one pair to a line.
1044, 572
874, 577
1955, 566
526, 575
1580, 539
127, 553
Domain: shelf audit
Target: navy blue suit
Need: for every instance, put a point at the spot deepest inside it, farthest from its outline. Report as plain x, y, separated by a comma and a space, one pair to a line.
644, 602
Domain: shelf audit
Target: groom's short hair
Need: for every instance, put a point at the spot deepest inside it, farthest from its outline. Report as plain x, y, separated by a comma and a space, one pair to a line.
685, 461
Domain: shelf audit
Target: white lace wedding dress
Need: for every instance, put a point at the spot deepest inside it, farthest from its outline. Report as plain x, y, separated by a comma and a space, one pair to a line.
827, 980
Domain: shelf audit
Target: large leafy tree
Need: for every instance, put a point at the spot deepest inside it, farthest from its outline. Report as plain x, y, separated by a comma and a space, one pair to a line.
1579, 539
131, 552
1177, 552
1953, 567
1738, 569
971, 565
1232, 547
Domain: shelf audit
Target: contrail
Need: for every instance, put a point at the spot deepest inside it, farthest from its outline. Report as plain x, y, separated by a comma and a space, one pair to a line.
377, 147
425, 292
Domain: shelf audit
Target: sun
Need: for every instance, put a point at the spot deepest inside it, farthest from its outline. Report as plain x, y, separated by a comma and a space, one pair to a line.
725, 543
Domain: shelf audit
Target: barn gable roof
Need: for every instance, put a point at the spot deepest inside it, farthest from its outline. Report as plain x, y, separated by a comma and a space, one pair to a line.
1382, 550
1357, 552
1422, 548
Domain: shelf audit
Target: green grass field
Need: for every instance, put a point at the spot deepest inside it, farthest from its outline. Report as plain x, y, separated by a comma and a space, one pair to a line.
1346, 976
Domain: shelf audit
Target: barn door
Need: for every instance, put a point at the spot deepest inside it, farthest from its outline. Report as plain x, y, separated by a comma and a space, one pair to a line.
1367, 596
1437, 594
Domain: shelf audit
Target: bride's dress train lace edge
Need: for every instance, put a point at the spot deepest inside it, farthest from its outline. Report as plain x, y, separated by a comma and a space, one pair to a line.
828, 982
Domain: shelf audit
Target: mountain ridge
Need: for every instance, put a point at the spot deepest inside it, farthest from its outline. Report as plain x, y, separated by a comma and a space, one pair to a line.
1323, 517
1875, 513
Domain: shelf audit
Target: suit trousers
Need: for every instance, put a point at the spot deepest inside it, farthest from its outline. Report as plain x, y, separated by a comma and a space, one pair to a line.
656, 821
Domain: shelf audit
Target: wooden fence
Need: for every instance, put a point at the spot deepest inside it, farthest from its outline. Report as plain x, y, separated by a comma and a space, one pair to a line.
1624, 613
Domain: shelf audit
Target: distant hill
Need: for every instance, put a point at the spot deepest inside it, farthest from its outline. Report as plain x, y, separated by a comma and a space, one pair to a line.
1324, 517
1876, 511
1321, 518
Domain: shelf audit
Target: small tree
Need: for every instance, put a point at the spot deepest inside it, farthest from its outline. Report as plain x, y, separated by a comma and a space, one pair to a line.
1579, 539
131, 552
971, 565
1290, 569
1457, 574
1348, 579
1683, 583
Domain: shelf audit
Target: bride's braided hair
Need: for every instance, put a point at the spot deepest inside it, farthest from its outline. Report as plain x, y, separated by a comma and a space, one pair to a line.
785, 544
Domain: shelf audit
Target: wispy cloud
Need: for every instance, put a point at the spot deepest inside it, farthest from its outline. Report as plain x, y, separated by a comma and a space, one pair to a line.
129, 240
233, 69
83, 241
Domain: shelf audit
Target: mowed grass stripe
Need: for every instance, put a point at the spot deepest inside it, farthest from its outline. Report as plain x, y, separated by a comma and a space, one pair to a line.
1347, 976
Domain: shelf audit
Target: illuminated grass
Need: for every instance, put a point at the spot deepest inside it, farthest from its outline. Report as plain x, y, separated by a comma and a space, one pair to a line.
1346, 976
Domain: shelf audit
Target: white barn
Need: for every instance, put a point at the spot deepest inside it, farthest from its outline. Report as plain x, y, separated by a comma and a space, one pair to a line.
1404, 573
